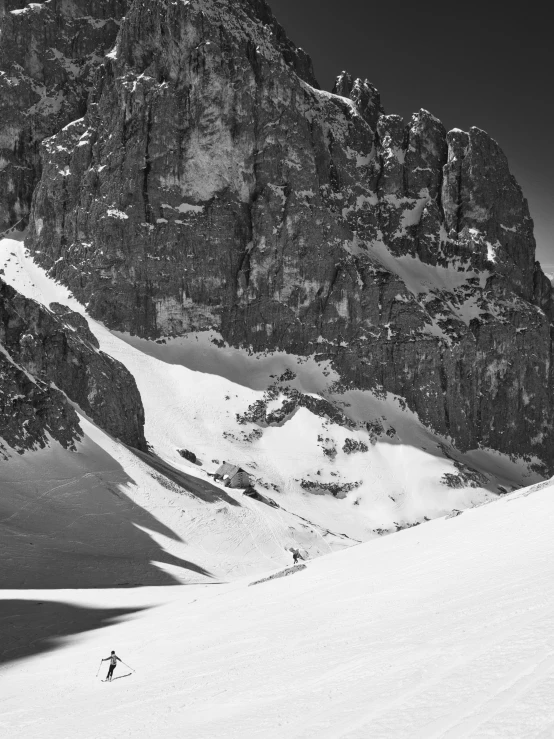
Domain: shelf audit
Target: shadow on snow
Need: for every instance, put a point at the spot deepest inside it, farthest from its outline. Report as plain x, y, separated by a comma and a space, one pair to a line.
66, 522
31, 627
196, 486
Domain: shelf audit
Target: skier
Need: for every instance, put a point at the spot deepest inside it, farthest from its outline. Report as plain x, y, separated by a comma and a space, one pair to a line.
114, 659
295, 556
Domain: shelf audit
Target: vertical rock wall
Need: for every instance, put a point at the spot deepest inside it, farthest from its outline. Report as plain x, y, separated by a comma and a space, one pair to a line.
48, 54
211, 184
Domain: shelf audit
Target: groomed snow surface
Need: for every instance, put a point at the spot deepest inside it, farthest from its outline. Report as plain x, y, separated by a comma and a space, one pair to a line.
444, 630
441, 630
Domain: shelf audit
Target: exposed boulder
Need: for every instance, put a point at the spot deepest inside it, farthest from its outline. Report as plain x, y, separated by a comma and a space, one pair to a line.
189, 456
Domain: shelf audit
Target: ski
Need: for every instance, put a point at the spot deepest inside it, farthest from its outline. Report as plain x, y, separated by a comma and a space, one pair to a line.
105, 680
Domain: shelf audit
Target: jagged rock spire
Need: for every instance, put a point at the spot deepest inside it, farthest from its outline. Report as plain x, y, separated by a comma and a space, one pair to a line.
365, 96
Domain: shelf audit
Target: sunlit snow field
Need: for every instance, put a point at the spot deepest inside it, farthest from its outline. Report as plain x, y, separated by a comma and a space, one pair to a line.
445, 630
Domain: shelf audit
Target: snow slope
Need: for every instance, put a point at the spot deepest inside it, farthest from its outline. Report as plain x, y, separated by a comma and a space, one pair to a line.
102, 517
117, 508
441, 631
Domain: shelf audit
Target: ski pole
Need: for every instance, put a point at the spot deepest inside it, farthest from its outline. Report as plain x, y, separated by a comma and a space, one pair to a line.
126, 665
99, 668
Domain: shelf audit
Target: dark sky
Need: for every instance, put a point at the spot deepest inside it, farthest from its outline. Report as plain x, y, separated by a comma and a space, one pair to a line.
488, 64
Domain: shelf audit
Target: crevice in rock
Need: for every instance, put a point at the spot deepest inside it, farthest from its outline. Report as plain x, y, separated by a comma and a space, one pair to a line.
146, 169
444, 388
440, 184
325, 301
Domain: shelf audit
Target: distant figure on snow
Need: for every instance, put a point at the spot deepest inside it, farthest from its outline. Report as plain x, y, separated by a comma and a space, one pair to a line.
114, 659
295, 556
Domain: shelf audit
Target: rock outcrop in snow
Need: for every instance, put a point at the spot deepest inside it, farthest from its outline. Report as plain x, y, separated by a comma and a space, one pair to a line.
31, 412
48, 353
211, 184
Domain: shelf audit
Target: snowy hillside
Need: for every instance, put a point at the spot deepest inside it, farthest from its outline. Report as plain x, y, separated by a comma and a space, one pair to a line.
343, 466
443, 630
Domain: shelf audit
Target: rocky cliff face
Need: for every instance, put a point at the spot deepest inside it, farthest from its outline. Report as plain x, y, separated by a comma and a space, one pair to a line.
210, 184
31, 412
45, 354
48, 54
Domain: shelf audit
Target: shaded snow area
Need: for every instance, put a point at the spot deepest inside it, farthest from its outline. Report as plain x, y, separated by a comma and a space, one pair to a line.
333, 468
103, 517
440, 631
